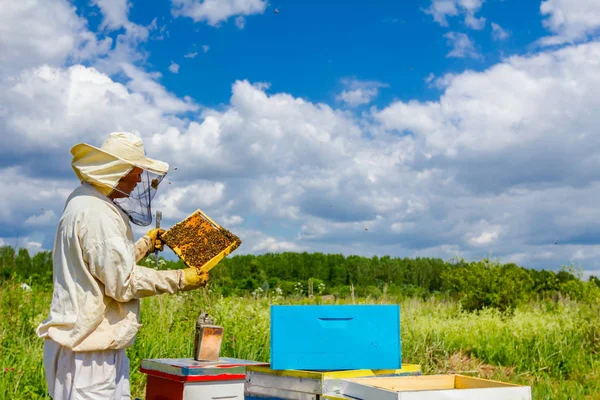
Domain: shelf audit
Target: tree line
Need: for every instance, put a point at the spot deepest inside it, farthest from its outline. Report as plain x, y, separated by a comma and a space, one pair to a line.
476, 284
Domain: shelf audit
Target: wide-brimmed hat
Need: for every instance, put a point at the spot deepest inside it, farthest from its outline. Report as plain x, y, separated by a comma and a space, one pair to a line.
126, 147
103, 167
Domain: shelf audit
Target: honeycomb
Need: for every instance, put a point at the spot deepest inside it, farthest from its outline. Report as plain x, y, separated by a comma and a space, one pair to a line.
197, 240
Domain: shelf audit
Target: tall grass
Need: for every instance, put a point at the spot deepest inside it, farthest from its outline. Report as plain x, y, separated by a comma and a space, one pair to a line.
551, 346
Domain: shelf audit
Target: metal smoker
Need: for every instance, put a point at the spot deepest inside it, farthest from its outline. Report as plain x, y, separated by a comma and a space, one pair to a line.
207, 343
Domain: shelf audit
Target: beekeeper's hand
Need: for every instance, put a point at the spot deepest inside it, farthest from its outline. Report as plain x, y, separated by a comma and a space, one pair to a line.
154, 235
193, 278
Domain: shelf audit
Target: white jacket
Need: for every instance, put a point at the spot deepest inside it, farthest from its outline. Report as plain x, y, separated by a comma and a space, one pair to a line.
97, 284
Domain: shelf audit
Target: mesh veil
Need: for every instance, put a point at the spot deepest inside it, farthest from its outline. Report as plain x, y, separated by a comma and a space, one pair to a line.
138, 204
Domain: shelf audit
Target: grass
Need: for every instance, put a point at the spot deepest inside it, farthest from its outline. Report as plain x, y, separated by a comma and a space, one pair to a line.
551, 346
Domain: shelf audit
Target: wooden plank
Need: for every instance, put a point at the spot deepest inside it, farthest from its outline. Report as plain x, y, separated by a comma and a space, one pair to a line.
366, 392
305, 385
336, 396
158, 388
469, 382
196, 378
360, 373
272, 393
404, 383
432, 387
220, 391
317, 382
189, 366
291, 372
406, 369
333, 382
511, 393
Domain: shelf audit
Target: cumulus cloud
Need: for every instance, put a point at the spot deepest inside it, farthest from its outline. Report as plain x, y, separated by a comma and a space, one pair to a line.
492, 166
570, 20
191, 55
358, 92
174, 68
498, 33
216, 11
462, 46
267, 244
45, 218
440, 10
115, 13
54, 35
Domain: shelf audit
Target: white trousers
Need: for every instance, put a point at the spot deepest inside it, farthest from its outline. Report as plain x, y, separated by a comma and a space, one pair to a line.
96, 375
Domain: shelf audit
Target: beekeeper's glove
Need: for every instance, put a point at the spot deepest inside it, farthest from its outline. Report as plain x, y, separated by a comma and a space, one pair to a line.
193, 278
154, 235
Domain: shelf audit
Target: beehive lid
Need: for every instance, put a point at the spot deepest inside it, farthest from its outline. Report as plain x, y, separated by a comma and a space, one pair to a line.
188, 369
200, 242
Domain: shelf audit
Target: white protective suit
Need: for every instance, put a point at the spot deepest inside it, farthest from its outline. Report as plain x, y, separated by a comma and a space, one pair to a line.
94, 315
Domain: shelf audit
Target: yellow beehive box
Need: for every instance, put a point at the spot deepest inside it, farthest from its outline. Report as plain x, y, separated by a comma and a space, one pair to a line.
432, 387
200, 242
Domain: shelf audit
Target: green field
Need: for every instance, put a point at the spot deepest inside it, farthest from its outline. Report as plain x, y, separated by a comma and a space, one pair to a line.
551, 345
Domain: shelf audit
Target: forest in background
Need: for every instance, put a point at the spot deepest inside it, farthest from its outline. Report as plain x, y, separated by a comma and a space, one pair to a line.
475, 284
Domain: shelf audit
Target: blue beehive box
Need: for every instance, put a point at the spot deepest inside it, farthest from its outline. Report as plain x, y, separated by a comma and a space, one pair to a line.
335, 337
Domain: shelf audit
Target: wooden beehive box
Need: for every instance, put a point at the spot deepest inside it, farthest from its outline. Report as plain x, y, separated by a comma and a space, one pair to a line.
335, 337
200, 242
264, 383
432, 387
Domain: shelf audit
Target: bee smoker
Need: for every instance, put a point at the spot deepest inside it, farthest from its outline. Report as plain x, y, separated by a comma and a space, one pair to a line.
207, 343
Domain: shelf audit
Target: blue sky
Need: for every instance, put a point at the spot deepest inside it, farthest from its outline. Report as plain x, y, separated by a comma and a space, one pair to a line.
309, 46
444, 128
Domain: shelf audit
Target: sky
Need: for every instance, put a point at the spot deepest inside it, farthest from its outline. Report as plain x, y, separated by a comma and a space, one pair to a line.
429, 128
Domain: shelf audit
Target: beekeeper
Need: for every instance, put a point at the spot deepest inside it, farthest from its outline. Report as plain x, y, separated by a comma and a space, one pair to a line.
95, 310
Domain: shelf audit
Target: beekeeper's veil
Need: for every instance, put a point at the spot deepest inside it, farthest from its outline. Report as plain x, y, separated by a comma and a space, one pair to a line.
103, 168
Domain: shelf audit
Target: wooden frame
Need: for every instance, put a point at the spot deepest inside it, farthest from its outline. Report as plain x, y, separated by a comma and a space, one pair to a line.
432, 387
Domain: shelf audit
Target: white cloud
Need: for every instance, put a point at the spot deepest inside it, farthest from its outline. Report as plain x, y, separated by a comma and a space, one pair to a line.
441, 9
33, 247
484, 238
115, 13
570, 20
357, 97
205, 48
45, 218
191, 55
54, 34
49, 108
468, 118
216, 11
267, 244
498, 33
145, 83
494, 165
179, 202
233, 220
21, 215
358, 92
462, 46
174, 68
240, 22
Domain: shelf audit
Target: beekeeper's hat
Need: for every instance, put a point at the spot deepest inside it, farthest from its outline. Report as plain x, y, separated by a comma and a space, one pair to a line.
103, 168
